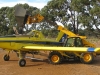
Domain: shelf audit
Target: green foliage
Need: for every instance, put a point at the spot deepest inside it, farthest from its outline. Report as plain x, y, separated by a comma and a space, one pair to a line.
10, 31
82, 13
7, 18
54, 10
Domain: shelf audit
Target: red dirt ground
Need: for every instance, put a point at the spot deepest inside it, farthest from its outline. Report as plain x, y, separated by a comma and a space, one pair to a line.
44, 68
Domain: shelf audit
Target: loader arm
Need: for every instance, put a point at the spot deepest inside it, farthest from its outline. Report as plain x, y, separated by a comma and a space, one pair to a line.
34, 19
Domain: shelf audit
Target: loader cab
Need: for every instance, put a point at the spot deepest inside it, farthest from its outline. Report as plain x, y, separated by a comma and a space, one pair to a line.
74, 42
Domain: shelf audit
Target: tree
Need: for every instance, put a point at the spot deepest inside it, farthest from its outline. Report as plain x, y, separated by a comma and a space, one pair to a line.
7, 18
81, 13
55, 10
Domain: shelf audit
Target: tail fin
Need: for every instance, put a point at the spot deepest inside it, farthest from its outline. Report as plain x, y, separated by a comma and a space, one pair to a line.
61, 37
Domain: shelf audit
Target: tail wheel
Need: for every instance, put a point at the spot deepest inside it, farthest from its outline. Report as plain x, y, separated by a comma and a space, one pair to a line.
87, 58
6, 57
55, 58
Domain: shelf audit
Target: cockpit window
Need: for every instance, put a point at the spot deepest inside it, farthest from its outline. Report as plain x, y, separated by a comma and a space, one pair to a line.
79, 42
74, 42
70, 42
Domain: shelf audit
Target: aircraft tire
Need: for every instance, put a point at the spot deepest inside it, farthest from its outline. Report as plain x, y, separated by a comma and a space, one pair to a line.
55, 58
6, 57
87, 58
22, 62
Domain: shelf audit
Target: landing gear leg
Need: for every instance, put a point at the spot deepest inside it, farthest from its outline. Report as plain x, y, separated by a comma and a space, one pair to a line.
22, 61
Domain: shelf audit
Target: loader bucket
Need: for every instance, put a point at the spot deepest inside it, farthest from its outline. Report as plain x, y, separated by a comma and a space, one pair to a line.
19, 11
21, 15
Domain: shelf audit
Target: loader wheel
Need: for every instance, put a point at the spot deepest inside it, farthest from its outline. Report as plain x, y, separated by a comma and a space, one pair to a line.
22, 62
6, 57
87, 58
55, 58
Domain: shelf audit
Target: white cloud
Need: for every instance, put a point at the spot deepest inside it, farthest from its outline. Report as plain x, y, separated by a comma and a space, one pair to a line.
34, 4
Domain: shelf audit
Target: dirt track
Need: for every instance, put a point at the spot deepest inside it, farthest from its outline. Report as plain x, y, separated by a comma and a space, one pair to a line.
44, 68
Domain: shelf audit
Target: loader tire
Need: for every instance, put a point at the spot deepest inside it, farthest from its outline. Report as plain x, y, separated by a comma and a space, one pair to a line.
55, 58
87, 58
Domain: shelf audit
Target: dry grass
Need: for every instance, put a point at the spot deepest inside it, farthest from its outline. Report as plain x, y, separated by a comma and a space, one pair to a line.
95, 41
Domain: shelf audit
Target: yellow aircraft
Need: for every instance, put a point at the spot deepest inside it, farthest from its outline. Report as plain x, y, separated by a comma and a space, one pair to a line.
67, 45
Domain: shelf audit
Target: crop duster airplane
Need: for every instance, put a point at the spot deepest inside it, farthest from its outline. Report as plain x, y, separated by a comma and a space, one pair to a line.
66, 46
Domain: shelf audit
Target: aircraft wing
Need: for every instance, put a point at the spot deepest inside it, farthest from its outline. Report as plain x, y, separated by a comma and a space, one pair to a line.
68, 49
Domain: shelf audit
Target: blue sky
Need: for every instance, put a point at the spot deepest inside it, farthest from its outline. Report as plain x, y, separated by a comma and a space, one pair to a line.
36, 3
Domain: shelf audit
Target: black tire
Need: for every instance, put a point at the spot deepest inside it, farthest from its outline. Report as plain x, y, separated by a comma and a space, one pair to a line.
87, 58
22, 62
6, 57
55, 58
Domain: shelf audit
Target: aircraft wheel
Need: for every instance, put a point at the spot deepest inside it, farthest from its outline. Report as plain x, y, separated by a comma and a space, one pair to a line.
87, 58
6, 57
55, 58
22, 62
